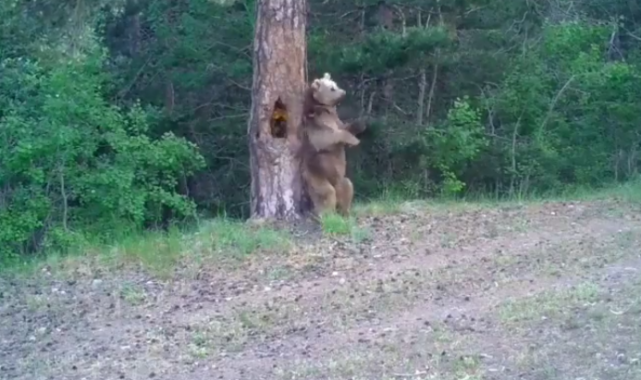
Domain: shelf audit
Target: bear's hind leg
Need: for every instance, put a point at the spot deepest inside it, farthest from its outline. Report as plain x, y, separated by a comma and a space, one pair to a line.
323, 196
344, 196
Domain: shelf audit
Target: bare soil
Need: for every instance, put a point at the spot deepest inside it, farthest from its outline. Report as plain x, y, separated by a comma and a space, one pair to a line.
538, 292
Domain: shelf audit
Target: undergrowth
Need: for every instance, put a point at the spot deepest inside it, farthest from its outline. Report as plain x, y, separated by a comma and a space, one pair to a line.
224, 238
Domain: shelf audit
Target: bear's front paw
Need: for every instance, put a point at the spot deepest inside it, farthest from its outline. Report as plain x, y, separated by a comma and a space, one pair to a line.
350, 140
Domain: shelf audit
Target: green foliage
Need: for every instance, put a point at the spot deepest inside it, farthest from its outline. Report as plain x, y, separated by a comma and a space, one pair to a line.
97, 108
193, 59
570, 112
459, 142
72, 161
384, 50
335, 224
447, 149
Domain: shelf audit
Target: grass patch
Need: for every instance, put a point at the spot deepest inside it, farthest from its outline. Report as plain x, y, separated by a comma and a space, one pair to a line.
335, 224
216, 239
158, 251
629, 191
229, 237
132, 294
547, 305
222, 237
361, 234
378, 207
200, 346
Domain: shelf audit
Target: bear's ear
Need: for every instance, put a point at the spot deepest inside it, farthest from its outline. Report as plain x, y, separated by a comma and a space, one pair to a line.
326, 76
316, 84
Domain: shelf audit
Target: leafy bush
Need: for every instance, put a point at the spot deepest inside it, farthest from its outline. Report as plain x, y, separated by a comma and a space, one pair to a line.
70, 161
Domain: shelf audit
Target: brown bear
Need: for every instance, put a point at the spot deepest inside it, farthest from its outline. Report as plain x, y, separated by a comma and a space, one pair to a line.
325, 128
323, 150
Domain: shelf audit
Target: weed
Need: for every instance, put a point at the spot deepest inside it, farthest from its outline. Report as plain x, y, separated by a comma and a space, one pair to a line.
160, 252
360, 235
132, 294
378, 208
226, 236
549, 304
335, 224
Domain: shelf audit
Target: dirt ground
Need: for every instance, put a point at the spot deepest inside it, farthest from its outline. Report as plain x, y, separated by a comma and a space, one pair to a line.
537, 292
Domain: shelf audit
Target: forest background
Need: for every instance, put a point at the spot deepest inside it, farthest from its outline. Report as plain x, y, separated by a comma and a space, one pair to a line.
124, 115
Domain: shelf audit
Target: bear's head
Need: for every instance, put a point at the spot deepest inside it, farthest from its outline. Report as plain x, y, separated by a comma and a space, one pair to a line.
326, 92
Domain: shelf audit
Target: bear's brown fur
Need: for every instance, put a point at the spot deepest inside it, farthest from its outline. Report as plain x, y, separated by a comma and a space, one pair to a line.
323, 150
324, 128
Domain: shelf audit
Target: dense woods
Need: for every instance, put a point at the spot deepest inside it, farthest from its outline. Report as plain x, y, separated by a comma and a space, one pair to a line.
116, 116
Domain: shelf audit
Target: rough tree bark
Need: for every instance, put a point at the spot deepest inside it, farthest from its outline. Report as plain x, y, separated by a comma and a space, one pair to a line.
280, 77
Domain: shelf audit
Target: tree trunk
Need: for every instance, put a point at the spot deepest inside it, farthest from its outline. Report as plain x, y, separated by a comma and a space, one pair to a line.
279, 82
